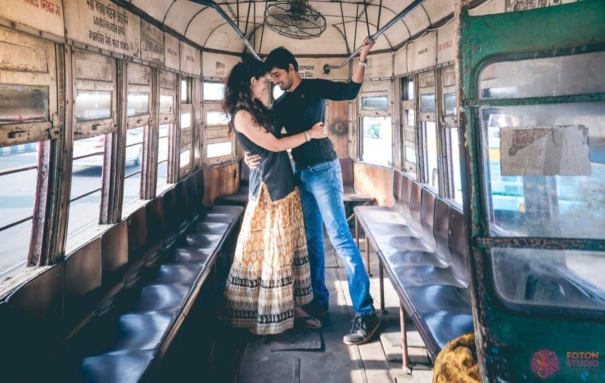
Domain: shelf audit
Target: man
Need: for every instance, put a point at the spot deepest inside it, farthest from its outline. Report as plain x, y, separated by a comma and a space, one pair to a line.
319, 179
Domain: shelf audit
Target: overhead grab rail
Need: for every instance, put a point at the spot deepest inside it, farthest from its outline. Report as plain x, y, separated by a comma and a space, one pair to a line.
219, 10
415, 4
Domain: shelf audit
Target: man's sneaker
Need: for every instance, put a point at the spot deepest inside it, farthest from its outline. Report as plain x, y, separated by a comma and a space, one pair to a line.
364, 327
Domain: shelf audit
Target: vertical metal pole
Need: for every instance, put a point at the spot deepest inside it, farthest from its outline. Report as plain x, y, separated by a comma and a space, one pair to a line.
404, 341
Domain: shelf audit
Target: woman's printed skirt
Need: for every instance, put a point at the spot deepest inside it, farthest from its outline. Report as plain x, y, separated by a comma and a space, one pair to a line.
270, 272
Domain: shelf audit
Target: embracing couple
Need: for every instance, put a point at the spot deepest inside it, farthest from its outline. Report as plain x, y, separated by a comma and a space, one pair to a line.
278, 275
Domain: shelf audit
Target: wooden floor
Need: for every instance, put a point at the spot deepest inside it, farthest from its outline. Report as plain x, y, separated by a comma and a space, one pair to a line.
311, 357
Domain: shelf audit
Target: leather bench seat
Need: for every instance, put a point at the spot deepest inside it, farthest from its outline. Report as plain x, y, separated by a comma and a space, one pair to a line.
421, 244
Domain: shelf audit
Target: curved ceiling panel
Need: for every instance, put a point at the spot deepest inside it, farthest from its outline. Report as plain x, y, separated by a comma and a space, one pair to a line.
156, 9
204, 24
181, 13
439, 9
330, 43
207, 28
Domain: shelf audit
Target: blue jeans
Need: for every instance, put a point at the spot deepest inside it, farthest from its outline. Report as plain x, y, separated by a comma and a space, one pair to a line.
321, 196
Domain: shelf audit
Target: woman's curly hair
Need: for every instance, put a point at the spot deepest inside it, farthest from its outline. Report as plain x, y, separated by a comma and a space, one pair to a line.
238, 92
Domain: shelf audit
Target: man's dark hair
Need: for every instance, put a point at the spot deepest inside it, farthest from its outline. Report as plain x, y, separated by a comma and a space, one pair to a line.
280, 58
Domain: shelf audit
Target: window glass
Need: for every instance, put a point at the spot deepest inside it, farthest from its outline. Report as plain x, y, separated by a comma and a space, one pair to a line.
455, 150
185, 159
546, 169
427, 102
213, 91
184, 92
16, 205
410, 154
410, 117
92, 105
374, 103
166, 104
277, 92
550, 76
219, 149
559, 278
23, 103
132, 169
163, 154
377, 145
407, 87
185, 120
87, 168
450, 104
138, 104
216, 118
432, 154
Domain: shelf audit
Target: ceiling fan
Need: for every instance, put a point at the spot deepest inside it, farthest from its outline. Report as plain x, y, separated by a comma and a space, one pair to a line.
295, 19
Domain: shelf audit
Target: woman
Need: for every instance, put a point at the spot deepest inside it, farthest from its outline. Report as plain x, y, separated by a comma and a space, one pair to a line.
270, 277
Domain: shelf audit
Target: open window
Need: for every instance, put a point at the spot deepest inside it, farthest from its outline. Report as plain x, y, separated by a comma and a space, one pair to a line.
28, 120
167, 113
376, 132
219, 144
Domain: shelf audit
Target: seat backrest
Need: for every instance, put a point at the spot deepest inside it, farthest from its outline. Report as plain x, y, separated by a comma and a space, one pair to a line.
170, 213
441, 227
397, 187
83, 280
155, 218
415, 205
114, 248
406, 190
182, 201
457, 244
192, 196
346, 165
200, 185
427, 217
137, 234
31, 318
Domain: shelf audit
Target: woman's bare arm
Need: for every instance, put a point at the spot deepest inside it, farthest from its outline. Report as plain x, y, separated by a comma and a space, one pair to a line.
245, 125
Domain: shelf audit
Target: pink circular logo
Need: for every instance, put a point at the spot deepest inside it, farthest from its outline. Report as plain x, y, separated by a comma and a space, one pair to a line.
545, 363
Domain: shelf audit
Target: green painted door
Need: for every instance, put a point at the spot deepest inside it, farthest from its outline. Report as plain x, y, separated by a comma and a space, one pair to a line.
533, 117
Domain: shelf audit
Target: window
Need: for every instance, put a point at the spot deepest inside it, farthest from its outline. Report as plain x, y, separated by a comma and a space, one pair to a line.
450, 104
138, 104
410, 154
23, 103
377, 141
522, 168
219, 149
432, 154
407, 88
185, 99
18, 166
427, 102
93, 105
277, 92
374, 103
166, 104
455, 150
163, 154
213, 91
132, 168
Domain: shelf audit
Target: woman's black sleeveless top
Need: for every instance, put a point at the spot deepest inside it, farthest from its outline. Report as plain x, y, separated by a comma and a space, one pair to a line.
275, 169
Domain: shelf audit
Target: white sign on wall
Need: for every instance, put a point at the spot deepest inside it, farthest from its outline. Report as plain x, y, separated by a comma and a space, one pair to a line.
190, 59
44, 15
102, 24
218, 65
152, 42
421, 53
171, 52
445, 43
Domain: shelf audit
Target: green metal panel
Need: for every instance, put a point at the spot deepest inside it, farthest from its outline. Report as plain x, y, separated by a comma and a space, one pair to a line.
508, 338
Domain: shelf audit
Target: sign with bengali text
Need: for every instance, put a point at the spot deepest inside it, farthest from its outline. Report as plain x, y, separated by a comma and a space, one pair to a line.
43, 15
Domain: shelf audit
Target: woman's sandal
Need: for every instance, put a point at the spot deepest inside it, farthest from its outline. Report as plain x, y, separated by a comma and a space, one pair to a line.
308, 322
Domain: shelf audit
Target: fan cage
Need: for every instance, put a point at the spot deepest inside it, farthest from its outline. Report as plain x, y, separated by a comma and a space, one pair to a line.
295, 20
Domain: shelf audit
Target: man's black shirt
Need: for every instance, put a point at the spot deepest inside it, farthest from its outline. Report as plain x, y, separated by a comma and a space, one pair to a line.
300, 109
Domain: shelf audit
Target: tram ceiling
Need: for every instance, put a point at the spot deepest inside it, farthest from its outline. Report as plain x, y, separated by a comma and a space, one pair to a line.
238, 26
